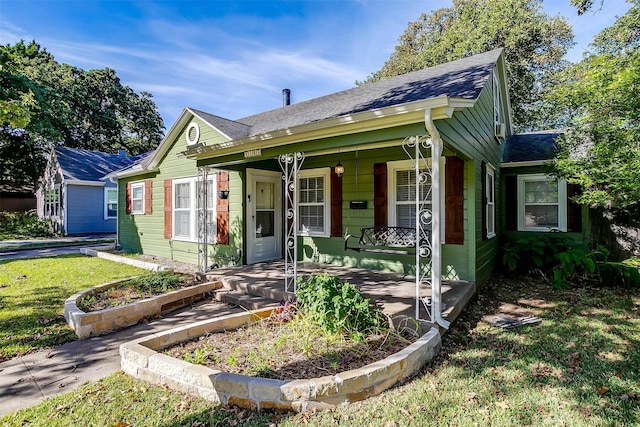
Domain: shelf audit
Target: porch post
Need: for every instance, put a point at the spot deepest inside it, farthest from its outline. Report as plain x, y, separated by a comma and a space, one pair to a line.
418, 149
203, 223
290, 164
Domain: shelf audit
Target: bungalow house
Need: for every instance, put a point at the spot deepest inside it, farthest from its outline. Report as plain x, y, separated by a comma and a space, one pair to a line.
75, 192
402, 174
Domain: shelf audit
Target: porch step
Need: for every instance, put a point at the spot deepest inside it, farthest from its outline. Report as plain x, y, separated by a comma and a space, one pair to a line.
265, 289
246, 301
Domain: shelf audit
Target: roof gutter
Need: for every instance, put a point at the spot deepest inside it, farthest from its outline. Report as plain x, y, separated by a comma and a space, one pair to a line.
436, 243
441, 107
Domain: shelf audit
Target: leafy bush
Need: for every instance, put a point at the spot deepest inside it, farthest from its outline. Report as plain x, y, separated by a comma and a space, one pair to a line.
553, 255
25, 224
337, 306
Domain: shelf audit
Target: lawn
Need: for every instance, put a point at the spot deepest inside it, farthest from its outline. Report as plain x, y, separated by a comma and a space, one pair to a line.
32, 295
580, 367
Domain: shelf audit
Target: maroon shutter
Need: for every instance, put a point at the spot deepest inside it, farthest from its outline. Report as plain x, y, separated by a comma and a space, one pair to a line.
127, 196
168, 204
222, 210
380, 201
511, 203
454, 201
483, 178
148, 199
336, 204
574, 210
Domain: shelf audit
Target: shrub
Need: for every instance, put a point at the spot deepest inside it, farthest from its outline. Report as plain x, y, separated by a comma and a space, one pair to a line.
25, 224
337, 306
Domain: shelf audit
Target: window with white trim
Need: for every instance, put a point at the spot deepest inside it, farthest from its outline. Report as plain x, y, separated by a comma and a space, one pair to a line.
314, 198
542, 203
52, 201
402, 193
110, 203
137, 198
185, 209
497, 111
490, 201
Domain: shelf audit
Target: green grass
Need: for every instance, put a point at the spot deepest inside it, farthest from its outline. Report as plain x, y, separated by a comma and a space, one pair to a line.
579, 367
32, 295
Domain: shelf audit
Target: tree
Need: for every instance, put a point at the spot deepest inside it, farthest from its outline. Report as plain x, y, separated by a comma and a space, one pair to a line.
43, 102
598, 100
534, 44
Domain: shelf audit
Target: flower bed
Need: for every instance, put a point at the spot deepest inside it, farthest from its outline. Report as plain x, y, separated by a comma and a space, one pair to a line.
143, 359
101, 322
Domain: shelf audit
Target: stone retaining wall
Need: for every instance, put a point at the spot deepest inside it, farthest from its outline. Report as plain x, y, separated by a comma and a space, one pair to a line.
141, 359
104, 321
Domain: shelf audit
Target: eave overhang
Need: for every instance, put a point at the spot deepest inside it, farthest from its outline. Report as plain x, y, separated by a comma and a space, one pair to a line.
371, 120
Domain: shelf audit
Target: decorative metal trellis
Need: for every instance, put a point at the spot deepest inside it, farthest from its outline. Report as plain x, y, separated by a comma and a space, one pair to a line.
203, 217
291, 164
421, 149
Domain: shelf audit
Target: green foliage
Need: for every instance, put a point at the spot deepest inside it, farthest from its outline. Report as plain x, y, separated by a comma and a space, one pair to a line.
597, 100
542, 252
24, 224
156, 282
336, 305
42, 100
552, 255
534, 44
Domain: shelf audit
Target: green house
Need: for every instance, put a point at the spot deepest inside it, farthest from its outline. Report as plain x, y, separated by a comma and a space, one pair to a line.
365, 177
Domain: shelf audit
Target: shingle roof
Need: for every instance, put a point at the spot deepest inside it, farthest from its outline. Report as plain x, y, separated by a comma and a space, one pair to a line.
533, 146
85, 165
463, 78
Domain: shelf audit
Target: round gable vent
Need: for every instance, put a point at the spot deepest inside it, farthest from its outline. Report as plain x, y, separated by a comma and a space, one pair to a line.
193, 133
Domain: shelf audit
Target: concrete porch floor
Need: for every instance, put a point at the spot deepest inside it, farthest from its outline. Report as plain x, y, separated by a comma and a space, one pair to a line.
393, 291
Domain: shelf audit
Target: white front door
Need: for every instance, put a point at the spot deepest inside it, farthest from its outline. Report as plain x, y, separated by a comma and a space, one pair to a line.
264, 215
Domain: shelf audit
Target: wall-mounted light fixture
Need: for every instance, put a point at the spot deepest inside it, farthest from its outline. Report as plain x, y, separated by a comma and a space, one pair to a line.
339, 169
223, 194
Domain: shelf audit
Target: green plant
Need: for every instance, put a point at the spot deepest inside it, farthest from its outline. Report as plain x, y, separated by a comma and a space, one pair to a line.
576, 262
156, 282
542, 252
25, 224
337, 306
198, 357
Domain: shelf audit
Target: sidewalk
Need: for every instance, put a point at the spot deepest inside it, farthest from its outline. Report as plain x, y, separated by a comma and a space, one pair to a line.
12, 245
27, 380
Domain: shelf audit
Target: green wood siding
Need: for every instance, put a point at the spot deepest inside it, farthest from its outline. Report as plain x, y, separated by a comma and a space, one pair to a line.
145, 233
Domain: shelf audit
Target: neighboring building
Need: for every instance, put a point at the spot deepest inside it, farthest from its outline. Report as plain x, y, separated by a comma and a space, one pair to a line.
75, 192
16, 197
252, 210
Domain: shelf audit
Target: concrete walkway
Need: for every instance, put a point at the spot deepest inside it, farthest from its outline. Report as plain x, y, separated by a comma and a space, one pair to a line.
27, 380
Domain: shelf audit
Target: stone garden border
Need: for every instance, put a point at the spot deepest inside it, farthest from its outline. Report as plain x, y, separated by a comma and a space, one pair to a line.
141, 359
101, 322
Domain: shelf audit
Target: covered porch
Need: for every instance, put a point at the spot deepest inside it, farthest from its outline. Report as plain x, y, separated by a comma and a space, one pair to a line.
261, 284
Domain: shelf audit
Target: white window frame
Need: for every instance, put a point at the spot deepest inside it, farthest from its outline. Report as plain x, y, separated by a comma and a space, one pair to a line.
490, 202
135, 185
562, 202
324, 173
403, 165
108, 190
497, 110
193, 210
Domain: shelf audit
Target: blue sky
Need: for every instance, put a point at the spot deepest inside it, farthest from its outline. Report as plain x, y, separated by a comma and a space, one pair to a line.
234, 58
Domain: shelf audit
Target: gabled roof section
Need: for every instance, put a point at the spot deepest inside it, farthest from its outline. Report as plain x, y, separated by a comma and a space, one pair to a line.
230, 128
84, 165
463, 79
531, 147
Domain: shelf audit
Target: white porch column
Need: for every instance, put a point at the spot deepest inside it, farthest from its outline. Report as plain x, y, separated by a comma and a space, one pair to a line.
291, 163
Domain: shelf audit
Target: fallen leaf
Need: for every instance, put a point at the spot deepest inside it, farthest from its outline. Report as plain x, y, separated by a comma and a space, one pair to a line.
502, 404
602, 390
